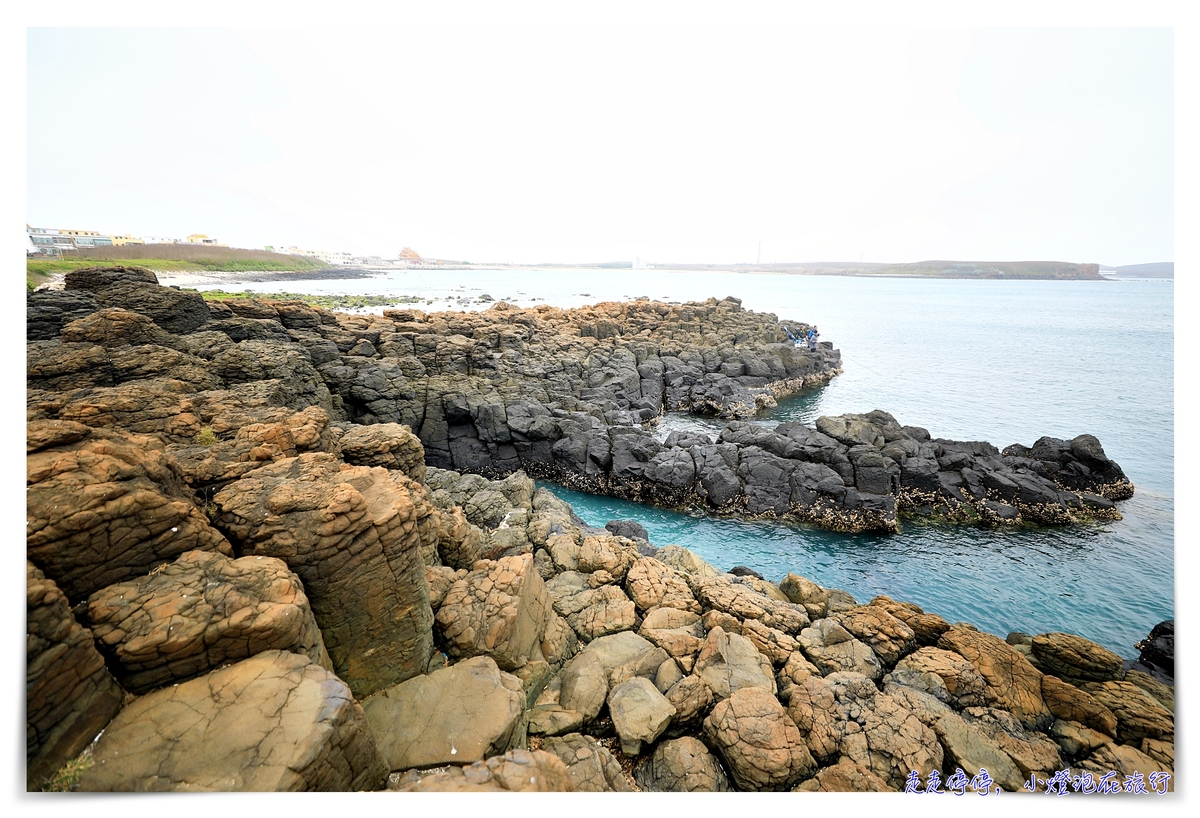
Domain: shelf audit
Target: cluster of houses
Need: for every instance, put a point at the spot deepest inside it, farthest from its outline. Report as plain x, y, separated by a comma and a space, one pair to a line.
54, 242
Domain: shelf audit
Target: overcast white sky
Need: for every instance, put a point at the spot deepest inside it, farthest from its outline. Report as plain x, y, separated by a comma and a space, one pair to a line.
591, 144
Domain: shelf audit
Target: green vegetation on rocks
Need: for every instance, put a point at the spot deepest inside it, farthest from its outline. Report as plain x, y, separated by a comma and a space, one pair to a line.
329, 302
175, 258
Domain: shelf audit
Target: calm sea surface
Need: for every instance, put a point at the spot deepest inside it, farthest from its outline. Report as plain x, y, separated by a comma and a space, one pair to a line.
1002, 361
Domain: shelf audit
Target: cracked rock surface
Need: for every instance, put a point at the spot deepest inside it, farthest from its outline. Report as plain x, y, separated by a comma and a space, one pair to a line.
275, 722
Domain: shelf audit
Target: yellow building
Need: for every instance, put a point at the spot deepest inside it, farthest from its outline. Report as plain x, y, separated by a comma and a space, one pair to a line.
200, 238
126, 239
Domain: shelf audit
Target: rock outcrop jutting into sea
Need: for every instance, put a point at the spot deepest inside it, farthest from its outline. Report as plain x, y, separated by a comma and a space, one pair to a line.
566, 395
257, 561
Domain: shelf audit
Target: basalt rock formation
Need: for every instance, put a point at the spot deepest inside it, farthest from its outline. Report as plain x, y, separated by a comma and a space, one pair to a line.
249, 571
568, 395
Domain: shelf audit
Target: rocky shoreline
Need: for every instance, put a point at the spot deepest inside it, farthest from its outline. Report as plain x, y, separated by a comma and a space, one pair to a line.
566, 395
274, 548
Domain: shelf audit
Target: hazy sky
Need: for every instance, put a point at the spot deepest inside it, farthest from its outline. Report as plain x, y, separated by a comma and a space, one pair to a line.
571, 144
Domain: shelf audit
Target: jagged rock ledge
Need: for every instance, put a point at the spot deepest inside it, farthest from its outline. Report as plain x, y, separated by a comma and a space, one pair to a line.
568, 395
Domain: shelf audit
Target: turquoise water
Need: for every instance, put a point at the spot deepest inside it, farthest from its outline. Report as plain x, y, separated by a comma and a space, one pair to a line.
1003, 361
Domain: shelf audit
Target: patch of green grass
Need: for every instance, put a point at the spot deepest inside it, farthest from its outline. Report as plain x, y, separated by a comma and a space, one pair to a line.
68, 774
176, 258
35, 279
329, 302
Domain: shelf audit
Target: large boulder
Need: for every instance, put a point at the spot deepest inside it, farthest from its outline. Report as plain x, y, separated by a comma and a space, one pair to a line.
967, 746
391, 445
274, 722
889, 638
845, 776
353, 535
1138, 714
759, 743
104, 507
651, 584
457, 715
943, 674
1075, 659
590, 766
639, 712
832, 648
1012, 683
500, 609
845, 714
682, 765
69, 694
515, 771
742, 602
1069, 703
680, 633
729, 662
593, 609
200, 612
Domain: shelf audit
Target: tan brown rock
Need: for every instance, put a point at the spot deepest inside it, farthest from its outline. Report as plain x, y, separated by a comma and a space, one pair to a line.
888, 637
691, 698
1138, 714
279, 434
457, 715
1074, 658
651, 584
606, 553
1032, 752
500, 609
106, 508
1069, 703
515, 771
69, 695
806, 593
353, 535
744, 603
680, 633
1164, 694
881, 733
1013, 684
775, 645
728, 662
927, 627
832, 648
964, 685
682, 765
845, 776
590, 766
390, 445
1127, 760
198, 613
759, 743
274, 722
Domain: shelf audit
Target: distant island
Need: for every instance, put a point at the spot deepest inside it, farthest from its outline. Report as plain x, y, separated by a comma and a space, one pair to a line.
922, 269
1156, 269
262, 265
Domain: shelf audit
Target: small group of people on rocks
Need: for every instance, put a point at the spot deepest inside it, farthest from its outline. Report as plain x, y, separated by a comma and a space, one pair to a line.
810, 338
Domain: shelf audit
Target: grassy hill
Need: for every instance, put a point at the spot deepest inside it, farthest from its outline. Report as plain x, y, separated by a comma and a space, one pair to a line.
168, 258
